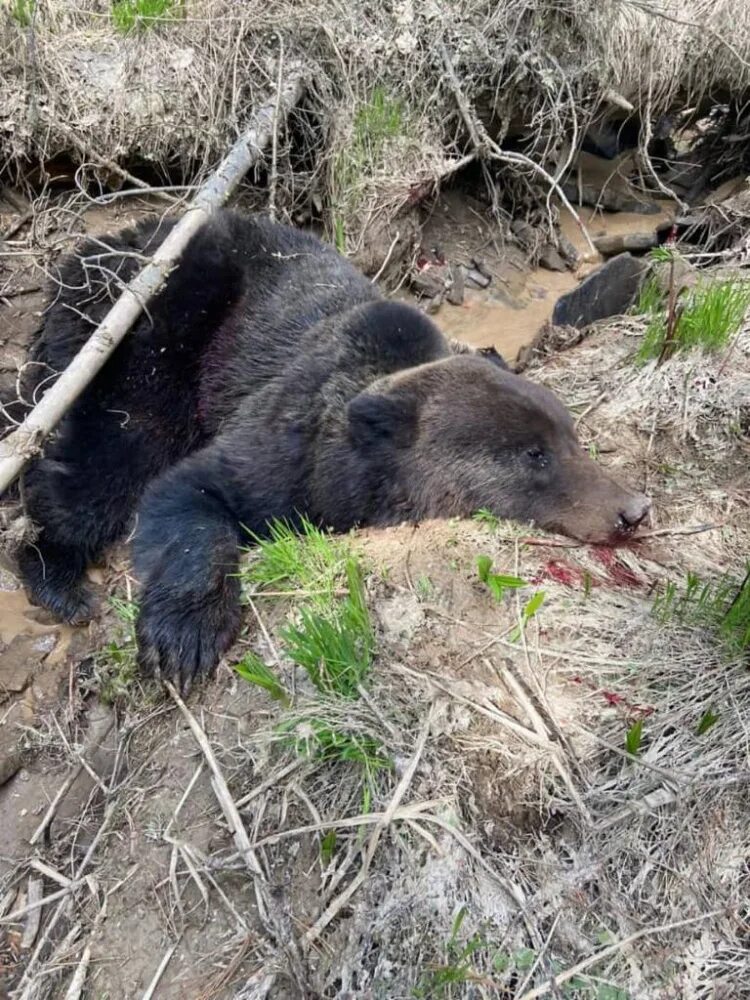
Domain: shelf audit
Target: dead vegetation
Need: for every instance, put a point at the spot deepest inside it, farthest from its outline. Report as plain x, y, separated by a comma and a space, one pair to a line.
400, 95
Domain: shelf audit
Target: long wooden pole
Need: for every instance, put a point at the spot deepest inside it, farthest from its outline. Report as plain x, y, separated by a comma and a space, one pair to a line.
25, 442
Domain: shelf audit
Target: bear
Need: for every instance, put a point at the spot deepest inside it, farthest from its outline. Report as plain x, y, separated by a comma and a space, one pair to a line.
269, 379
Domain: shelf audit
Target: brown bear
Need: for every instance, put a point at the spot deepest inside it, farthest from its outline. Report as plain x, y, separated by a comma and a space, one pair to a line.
269, 379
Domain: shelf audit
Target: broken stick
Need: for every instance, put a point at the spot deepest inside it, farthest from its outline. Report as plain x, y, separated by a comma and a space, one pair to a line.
18, 448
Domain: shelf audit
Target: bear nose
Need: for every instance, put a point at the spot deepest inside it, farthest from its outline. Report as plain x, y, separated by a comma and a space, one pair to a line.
633, 513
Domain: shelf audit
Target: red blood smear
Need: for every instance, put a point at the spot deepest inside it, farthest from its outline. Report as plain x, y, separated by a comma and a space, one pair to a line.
618, 573
560, 572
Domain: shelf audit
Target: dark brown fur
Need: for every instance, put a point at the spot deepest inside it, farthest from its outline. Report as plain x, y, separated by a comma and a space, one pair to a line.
272, 380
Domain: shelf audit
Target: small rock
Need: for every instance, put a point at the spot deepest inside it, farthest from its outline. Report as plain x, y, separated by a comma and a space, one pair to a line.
480, 266
435, 302
477, 278
525, 233
431, 279
609, 246
568, 250
608, 291
552, 260
455, 293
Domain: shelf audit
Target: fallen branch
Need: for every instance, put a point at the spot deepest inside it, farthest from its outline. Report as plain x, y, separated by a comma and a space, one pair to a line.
18, 448
608, 952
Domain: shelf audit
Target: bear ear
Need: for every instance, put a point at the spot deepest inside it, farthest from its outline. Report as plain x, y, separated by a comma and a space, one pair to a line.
375, 418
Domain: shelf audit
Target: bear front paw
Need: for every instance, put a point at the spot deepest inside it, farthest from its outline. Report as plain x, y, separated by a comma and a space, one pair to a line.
182, 637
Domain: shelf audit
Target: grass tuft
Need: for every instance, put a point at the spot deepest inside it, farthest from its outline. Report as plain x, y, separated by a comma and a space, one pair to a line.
318, 739
253, 670
332, 640
115, 666
378, 123
304, 561
722, 605
709, 316
335, 647
127, 15
22, 11
650, 301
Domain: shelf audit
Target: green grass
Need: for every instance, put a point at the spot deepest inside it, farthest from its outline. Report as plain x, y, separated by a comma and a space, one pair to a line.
253, 670
465, 961
710, 315
651, 299
335, 646
22, 11
304, 561
722, 605
115, 666
378, 122
128, 15
497, 583
331, 639
317, 739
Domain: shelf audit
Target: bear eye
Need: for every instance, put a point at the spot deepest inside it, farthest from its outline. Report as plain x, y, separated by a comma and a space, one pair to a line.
535, 454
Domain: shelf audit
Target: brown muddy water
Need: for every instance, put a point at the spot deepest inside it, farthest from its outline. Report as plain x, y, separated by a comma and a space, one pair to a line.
519, 301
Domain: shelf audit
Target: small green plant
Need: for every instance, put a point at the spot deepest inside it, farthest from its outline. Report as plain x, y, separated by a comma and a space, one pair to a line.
634, 738
303, 562
722, 605
327, 847
339, 234
317, 739
708, 316
498, 525
22, 11
253, 670
378, 123
332, 640
650, 299
130, 14
115, 665
529, 610
457, 969
497, 582
708, 719
424, 587
335, 646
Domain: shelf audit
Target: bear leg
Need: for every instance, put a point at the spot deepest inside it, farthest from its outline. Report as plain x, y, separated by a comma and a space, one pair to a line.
81, 497
186, 551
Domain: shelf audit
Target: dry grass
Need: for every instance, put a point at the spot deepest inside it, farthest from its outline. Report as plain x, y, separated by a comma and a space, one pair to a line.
178, 93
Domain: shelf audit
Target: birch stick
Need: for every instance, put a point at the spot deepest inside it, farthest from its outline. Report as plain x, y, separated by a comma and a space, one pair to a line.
25, 442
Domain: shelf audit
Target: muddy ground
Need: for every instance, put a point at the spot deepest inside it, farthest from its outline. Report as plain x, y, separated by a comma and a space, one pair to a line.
161, 895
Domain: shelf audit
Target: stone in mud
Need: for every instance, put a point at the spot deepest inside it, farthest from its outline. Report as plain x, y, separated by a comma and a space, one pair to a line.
608, 291
617, 243
552, 260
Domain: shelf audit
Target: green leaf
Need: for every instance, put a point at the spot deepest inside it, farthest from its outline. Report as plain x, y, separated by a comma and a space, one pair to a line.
459, 919
708, 719
252, 669
511, 582
605, 991
327, 847
484, 565
500, 962
534, 605
634, 737
524, 958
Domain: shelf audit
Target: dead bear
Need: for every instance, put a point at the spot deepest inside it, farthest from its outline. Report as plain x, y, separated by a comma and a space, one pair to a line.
269, 379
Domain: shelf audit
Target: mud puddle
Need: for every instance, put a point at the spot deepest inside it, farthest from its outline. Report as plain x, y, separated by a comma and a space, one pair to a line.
520, 299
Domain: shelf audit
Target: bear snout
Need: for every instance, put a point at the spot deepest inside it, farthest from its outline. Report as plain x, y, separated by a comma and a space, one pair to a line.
633, 514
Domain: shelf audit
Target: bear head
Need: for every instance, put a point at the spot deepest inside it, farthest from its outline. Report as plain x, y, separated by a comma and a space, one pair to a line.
460, 434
